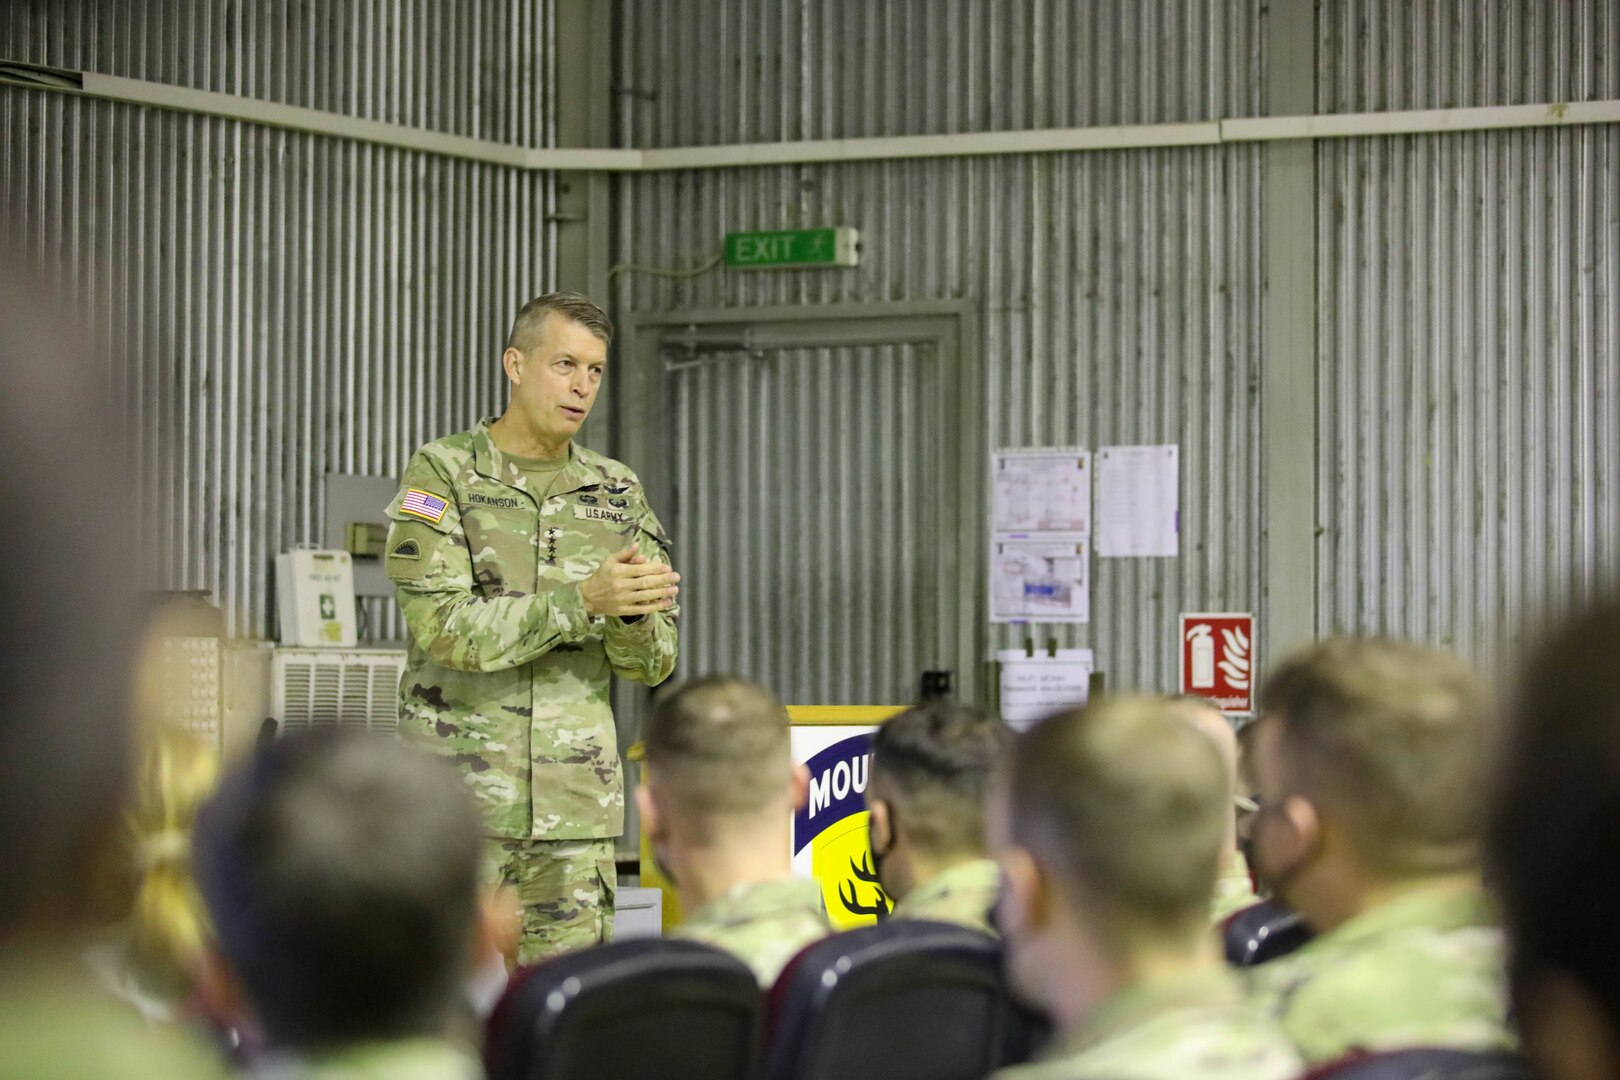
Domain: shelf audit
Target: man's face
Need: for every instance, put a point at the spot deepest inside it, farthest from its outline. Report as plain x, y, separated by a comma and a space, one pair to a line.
1281, 843
555, 385
1015, 904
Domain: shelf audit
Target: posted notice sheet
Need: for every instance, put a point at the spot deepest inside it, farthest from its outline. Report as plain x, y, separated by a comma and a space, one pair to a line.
1138, 501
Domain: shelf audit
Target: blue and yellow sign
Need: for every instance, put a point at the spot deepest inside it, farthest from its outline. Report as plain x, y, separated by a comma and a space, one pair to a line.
830, 840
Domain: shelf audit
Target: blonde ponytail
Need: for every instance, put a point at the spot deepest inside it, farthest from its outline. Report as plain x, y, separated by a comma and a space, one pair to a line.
169, 927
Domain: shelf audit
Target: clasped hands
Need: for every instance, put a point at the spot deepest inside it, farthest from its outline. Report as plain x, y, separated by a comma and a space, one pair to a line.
630, 584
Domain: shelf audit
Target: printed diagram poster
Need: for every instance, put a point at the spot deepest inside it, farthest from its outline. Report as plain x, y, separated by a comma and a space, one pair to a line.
1217, 660
1042, 490
830, 836
1138, 501
1040, 580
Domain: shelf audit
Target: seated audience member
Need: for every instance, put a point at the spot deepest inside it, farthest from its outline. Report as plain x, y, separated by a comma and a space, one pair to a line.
1553, 838
1368, 764
67, 646
1234, 890
1107, 823
719, 788
341, 870
929, 769
155, 958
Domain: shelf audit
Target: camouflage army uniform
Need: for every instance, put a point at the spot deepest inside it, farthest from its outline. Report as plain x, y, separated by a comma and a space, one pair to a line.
1425, 969
963, 894
1194, 1025
407, 1059
509, 676
1234, 889
56, 1020
763, 924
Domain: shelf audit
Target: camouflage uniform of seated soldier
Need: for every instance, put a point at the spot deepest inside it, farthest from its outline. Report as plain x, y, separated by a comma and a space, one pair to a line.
719, 788
1107, 823
930, 766
1369, 767
530, 571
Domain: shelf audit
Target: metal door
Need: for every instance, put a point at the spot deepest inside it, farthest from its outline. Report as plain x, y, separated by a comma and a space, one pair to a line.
813, 517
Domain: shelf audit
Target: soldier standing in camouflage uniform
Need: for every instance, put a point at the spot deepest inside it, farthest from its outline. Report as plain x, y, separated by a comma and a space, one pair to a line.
1107, 824
530, 570
719, 787
930, 766
1369, 767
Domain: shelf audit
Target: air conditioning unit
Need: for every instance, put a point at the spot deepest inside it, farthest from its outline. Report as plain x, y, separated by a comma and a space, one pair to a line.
315, 687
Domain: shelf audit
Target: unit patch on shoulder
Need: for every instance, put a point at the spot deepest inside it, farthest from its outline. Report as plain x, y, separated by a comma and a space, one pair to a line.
406, 549
423, 504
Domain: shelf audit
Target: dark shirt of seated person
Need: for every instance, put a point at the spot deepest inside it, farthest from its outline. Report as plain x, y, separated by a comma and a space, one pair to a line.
929, 769
1369, 766
718, 790
341, 870
1108, 824
1554, 832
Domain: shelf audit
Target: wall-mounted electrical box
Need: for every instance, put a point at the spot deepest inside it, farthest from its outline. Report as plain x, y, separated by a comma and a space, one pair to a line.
357, 522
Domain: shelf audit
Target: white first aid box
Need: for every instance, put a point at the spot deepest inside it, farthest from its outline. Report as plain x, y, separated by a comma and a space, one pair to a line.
315, 597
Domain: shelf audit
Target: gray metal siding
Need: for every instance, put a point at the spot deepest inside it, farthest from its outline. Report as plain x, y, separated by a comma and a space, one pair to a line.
827, 462
280, 305
1470, 382
700, 72
477, 69
1119, 292
1378, 55
1468, 325
1120, 301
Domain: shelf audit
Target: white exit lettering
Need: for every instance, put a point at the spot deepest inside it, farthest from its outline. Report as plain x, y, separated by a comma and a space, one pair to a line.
765, 248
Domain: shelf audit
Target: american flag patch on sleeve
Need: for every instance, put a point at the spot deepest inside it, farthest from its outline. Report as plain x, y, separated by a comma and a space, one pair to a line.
423, 504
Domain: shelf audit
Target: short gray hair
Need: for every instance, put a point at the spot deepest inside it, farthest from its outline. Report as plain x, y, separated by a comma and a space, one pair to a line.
529, 328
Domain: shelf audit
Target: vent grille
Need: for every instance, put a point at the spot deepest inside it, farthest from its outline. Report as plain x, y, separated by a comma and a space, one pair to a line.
317, 688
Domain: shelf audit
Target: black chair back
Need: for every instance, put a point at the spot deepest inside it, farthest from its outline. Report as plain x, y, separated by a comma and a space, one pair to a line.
1426, 1063
645, 1009
906, 999
1263, 932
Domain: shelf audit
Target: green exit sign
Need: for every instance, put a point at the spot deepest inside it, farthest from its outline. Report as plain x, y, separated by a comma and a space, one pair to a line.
795, 247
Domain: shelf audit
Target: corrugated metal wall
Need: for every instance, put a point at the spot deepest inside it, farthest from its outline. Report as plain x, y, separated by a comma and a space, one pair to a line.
281, 305
1468, 324
698, 72
1120, 292
826, 617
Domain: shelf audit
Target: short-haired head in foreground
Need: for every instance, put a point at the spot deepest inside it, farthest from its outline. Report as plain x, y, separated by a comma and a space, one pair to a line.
716, 748
1387, 741
934, 761
1207, 717
341, 870
529, 326
67, 641
1122, 806
1555, 825
930, 769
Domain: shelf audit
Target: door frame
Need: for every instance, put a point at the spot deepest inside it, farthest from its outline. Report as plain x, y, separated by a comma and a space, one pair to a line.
950, 326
